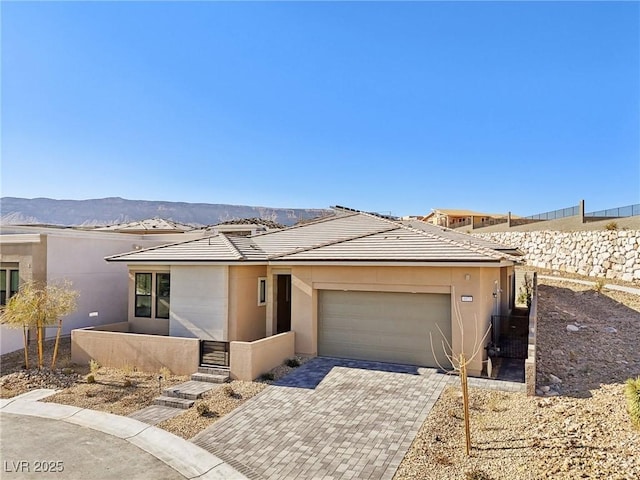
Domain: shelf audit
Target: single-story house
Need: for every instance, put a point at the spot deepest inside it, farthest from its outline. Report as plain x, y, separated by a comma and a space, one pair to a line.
353, 285
456, 218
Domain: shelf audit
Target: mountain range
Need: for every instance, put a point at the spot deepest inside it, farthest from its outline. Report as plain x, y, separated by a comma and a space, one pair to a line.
115, 210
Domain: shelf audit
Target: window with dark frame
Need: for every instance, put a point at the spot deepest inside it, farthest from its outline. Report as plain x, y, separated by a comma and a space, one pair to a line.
163, 291
9, 284
143, 295
262, 291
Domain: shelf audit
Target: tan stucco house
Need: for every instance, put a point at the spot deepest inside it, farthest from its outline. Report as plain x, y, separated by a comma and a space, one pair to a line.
352, 285
456, 218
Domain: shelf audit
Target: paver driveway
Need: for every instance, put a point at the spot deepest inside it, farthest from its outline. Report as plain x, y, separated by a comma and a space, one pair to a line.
330, 419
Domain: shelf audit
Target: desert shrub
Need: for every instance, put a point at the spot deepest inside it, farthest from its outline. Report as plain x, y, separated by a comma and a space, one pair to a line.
526, 290
267, 377
611, 226
165, 372
127, 383
476, 474
204, 410
599, 285
94, 366
91, 379
632, 394
292, 362
495, 403
230, 392
442, 459
128, 369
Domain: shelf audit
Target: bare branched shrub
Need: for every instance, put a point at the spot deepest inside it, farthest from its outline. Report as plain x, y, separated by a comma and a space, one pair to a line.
460, 361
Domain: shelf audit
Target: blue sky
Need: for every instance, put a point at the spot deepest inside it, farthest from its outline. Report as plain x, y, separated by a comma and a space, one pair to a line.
384, 106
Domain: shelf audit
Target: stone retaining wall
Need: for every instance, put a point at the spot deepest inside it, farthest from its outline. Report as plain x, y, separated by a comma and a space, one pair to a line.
605, 254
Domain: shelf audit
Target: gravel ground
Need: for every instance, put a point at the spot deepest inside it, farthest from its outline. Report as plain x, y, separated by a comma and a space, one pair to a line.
115, 391
219, 402
123, 392
581, 429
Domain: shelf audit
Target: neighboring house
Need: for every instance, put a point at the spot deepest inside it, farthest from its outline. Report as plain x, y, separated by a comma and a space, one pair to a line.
56, 253
351, 285
244, 227
451, 218
149, 226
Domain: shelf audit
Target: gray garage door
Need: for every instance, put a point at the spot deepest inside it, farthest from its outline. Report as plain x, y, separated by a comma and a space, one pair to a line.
383, 326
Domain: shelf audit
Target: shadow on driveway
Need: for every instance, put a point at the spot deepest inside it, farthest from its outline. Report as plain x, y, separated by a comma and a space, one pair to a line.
315, 370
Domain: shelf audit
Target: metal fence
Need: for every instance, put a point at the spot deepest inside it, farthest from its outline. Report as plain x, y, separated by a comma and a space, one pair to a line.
628, 211
561, 213
214, 353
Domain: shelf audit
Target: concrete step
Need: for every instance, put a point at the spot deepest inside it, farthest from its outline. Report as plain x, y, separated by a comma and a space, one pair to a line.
191, 390
174, 402
214, 370
209, 377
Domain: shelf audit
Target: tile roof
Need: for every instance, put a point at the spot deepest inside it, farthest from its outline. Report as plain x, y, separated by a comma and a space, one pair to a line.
347, 236
458, 236
214, 248
400, 244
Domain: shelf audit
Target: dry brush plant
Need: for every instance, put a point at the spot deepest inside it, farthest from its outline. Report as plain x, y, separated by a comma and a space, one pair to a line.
632, 394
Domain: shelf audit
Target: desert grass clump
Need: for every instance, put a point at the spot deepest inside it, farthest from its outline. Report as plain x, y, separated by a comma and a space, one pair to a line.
205, 411
632, 394
292, 362
94, 366
476, 474
611, 226
267, 377
165, 372
496, 402
230, 392
599, 285
91, 379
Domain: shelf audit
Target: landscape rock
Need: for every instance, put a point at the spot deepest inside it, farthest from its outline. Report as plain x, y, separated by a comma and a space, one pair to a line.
554, 379
596, 253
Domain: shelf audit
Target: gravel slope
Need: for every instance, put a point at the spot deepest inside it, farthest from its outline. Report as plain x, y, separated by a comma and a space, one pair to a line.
582, 430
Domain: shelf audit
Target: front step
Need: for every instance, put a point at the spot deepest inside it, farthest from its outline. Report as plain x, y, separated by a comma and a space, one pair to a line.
209, 377
191, 390
174, 402
214, 370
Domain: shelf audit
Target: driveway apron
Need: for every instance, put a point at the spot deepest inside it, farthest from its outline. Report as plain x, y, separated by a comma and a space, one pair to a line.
330, 419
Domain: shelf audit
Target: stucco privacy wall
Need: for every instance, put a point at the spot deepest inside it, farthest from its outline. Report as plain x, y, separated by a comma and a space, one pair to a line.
251, 359
199, 302
606, 253
148, 353
478, 282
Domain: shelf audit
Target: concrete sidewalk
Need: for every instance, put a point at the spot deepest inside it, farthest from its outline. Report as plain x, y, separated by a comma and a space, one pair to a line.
47, 439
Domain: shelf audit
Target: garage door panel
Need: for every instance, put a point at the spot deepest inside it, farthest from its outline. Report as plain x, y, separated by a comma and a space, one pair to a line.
383, 326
